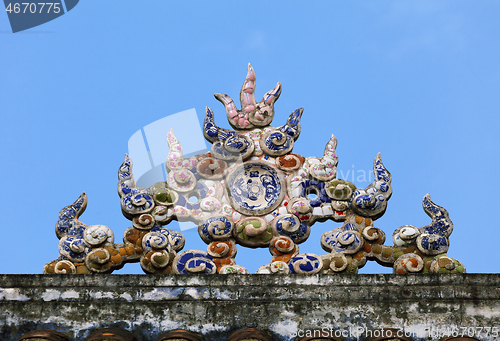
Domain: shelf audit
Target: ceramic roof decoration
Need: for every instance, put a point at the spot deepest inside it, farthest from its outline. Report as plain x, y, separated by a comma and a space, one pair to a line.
251, 190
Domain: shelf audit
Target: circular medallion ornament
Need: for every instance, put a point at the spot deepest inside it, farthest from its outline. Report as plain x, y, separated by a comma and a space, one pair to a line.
255, 188
175, 238
163, 195
222, 249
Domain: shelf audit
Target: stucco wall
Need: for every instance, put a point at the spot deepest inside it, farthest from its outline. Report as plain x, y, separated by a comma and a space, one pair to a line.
283, 305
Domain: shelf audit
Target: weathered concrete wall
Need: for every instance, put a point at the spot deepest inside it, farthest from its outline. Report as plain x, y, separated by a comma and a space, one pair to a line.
220, 304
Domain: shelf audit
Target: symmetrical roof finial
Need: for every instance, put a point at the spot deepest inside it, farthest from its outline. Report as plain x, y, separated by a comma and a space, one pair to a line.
252, 190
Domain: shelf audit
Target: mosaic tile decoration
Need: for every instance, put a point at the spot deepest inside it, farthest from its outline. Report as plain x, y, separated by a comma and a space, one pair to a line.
252, 190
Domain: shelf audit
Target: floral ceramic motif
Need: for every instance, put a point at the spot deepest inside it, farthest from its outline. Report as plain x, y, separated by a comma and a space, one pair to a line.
251, 190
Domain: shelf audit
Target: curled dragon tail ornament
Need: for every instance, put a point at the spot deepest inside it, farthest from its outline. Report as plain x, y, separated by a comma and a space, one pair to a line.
134, 200
78, 241
430, 243
372, 201
279, 141
68, 217
433, 238
226, 144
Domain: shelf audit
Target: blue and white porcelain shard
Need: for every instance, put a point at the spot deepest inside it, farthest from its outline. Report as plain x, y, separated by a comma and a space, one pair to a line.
315, 187
342, 240
372, 201
155, 241
215, 228
255, 188
433, 239
276, 143
226, 144
289, 225
74, 248
175, 238
134, 200
68, 223
441, 223
193, 261
292, 126
306, 263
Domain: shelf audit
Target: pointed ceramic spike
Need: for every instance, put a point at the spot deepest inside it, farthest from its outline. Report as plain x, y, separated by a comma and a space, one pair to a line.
372, 201
292, 126
437, 213
332, 144
381, 173
247, 93
272, 96
125, 170
430, 208
76, 209
434, 237
175, 156
125, 177
174, 145
227, 101
171, 139
330, 156
236, 118
294, 118
210, 130
71, 213
228, 104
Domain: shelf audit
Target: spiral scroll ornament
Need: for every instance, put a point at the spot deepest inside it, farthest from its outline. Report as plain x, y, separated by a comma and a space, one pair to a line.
306, 263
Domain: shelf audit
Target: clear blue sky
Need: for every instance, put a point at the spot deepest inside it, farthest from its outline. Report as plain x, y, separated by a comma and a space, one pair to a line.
417, 81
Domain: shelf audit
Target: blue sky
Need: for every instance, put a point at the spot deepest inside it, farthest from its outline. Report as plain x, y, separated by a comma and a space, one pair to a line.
417, 81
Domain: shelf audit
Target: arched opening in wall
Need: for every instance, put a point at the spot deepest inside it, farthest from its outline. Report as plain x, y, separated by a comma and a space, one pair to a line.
249, 334
43, 335
320, 338
111, 334
180, 335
